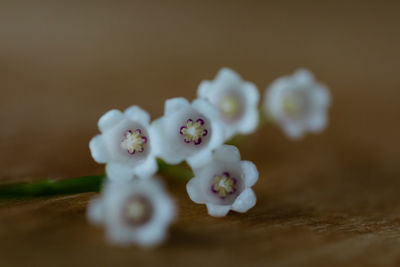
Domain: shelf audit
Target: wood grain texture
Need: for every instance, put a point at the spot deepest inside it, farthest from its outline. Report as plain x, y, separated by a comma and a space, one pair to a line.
330, 199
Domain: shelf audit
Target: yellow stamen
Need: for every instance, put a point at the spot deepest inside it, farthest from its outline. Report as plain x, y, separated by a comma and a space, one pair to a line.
224, 185
133, 142
193, 131
292, 105
229, 106
135, 210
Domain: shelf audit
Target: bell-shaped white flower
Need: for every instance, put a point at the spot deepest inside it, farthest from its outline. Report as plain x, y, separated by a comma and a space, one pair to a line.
224, 183
235, 99
125, 144
186, 131
298, 104
133, 211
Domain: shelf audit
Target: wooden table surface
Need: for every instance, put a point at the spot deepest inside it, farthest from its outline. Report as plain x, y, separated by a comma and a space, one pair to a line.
330, 199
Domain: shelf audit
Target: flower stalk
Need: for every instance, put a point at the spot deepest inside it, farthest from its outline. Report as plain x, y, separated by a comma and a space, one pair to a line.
84, 184
50, 187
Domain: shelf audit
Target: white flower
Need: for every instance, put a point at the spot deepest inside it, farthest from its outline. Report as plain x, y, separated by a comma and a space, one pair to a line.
298, 104
125, 144
186, 131
235, 99
224, 183
133, 211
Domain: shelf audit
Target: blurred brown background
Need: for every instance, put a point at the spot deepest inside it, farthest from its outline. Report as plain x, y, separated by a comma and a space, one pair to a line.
329, 199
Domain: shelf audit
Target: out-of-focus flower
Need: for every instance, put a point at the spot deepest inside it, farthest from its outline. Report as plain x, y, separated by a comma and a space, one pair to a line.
124, 144
298, 104
186, 131
235, 99
224, 182
134, 211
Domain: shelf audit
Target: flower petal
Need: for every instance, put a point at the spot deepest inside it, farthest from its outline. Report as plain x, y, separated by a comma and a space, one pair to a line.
158, 144
252, 94
194, 192
303, 76
250, 121
98, 149
166, 208
118, 236
135, 113
151, 236
206, 108
175, 104
317, 122
147, 169
250, 172
95, 211
227, 153
119, 172
110, 119
218, 135
228, 75
155, 133
204, 89
322, 96
217, 210
172, 159
293, 130
230, 130
198, 159
245, 201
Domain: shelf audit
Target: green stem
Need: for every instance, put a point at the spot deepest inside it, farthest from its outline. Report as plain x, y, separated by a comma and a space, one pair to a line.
264, 118
50, 187
78, 185
181, 171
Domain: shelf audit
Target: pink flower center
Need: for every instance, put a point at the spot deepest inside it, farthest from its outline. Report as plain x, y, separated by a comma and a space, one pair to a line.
193, 131
134, 141
137, 210
224, 185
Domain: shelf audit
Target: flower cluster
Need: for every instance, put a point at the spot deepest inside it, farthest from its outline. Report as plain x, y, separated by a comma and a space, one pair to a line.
134, 206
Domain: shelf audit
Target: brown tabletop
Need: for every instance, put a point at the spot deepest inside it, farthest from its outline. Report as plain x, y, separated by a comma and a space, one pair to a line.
330, 199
